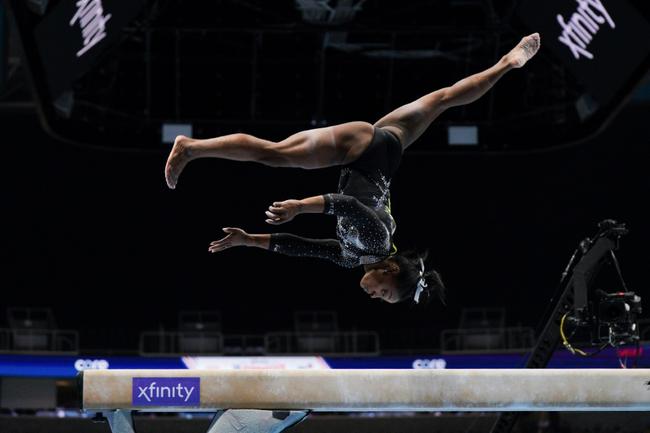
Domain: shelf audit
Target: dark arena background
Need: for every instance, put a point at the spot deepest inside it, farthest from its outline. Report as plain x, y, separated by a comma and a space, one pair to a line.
532, 201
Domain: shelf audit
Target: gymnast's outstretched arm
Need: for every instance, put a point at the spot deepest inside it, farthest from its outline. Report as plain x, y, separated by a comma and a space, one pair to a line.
283, 243
331, 204
292, 245
281, 212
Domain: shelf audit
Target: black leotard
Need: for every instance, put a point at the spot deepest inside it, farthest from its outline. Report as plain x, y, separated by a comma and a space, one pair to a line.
365, 226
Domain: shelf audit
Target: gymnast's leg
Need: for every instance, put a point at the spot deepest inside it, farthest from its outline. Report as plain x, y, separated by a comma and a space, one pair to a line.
315, 148
411, 120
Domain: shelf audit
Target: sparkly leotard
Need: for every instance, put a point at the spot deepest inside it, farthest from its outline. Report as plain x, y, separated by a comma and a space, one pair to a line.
365, 227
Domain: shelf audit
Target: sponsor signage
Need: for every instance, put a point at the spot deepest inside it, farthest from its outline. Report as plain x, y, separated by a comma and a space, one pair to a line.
70, 366
166, 391
601, 42
255, 362
73, 35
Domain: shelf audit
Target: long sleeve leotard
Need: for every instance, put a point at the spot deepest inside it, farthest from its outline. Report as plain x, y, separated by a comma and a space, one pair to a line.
365, 226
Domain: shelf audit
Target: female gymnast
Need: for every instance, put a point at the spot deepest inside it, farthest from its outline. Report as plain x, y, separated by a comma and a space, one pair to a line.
369, 156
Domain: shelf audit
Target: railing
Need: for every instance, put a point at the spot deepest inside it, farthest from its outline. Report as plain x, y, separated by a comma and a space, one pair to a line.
486, 339
61, 341
244, 344
181, 343
157, 343
342, 342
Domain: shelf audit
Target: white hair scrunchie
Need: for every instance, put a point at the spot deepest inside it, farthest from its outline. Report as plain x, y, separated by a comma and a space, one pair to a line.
422, 283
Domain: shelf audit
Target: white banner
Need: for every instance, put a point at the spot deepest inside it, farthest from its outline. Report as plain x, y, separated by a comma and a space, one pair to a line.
255, 363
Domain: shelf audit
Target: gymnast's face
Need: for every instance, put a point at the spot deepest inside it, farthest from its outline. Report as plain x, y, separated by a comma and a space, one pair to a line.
380, 282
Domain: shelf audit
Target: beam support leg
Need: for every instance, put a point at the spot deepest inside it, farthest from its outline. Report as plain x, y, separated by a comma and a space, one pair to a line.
254, 421
120, 421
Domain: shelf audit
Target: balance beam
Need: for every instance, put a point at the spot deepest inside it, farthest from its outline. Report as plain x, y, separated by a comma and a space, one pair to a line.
260, 394
368, 390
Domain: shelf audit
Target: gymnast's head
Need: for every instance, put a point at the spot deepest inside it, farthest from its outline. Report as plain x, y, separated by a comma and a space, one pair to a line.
403, 277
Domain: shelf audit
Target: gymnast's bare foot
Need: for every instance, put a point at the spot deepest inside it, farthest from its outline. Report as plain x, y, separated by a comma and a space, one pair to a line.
178, 158
524, 51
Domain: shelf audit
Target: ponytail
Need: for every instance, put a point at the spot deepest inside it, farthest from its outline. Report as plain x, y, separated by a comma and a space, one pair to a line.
417, 283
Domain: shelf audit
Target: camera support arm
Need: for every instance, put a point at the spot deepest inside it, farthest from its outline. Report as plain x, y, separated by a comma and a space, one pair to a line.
573, 294
586, 270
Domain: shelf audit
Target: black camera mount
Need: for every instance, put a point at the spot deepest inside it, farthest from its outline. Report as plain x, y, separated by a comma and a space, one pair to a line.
610, 317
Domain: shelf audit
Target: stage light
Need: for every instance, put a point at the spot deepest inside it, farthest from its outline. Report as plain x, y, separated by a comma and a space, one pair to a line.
462, 135
64, 104
38, 6
586, 106
171, 130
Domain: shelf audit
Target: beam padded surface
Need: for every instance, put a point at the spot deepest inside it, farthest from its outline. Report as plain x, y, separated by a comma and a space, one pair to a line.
369, 390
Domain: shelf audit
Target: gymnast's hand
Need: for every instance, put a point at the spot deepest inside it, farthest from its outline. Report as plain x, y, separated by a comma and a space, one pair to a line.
235, 238
283, 211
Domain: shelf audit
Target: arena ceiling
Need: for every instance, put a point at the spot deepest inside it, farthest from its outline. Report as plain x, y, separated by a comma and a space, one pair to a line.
272, 68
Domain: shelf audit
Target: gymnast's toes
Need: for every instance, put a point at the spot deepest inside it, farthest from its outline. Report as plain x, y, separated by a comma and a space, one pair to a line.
524, 51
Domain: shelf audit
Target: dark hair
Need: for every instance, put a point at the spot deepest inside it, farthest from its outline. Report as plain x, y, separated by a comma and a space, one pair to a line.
409, 275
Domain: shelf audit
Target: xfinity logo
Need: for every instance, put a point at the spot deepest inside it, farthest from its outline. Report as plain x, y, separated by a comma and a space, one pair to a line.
154, 391
166, 391
91, 18
580, 29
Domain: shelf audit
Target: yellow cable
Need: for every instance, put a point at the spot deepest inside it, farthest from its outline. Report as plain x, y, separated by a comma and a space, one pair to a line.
565, 341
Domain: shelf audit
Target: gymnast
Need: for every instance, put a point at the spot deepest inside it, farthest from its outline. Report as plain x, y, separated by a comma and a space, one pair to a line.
369, 156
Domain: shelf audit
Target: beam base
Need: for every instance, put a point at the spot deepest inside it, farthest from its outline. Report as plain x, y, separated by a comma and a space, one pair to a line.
224, 421
255, 421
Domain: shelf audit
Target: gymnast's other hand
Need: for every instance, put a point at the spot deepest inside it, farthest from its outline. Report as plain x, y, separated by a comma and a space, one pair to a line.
283, 211
235, 238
